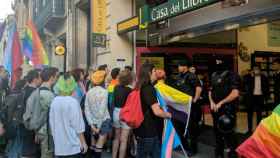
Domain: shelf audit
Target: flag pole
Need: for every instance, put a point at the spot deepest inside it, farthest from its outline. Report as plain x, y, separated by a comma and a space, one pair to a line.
188, 119
184, 152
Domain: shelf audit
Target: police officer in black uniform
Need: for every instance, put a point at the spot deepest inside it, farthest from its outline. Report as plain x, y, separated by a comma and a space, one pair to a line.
188, 83
276, 78
223, 97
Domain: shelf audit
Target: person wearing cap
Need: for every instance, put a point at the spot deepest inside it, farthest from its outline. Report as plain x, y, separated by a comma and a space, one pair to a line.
189, 83
276, 78
223, 97
66, 120
97, 113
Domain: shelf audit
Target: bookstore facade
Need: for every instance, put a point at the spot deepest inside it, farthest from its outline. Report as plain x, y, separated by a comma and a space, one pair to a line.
243, 35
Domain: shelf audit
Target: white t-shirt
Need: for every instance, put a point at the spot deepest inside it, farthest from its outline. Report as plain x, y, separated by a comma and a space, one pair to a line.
66, 122
258, 86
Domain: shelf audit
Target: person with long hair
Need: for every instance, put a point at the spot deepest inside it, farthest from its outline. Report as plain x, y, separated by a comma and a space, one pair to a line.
122, 130
80, 91
149, 133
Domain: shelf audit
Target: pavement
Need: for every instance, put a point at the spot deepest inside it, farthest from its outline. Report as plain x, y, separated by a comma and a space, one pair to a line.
204, 151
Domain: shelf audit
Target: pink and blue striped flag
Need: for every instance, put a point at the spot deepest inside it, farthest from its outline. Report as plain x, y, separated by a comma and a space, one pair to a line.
170, 138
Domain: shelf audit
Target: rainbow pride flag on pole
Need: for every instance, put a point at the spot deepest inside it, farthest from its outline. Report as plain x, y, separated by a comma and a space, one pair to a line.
265, 142
33, 47
13, 58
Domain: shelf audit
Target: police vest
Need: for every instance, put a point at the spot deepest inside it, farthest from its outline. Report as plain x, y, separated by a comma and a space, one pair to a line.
186, 83
221, 85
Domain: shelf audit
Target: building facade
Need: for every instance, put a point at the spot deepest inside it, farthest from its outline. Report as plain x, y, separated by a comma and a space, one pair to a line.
68, 22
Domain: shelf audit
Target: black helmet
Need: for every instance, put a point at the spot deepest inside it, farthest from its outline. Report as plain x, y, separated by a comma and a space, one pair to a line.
226, 123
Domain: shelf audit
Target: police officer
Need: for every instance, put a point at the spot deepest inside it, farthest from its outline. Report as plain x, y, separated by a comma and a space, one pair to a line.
223, 97
276, 78
188, 83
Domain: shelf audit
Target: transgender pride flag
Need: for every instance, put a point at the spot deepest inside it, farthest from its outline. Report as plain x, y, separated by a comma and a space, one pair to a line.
170, 138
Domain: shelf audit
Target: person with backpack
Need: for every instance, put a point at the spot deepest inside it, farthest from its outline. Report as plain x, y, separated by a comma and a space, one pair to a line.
66, 120
4, 91
37, 112
149, 133
122, 130
97, 113
29, 147
14, 110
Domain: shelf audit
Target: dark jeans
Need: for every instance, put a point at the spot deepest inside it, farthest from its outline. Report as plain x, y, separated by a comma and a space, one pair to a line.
148, 147
71, 156
194, 131
29, 148
256, 104
224, 139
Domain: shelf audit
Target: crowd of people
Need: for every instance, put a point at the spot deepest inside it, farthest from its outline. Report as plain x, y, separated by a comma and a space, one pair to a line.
77, 114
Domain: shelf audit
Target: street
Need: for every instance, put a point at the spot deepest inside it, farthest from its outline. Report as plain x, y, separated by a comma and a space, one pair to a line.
204, 151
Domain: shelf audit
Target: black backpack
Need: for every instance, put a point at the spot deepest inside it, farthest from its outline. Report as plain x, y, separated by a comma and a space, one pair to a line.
13, 111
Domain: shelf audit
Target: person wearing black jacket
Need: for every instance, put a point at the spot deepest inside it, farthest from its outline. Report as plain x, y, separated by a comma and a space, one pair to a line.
30, 148
189, 83
258, 90
276, 78
223, 97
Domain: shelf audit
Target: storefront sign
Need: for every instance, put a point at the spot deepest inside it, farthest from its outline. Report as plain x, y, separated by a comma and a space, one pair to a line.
99, 22
273, 34
128, 25
157, 61
174, 8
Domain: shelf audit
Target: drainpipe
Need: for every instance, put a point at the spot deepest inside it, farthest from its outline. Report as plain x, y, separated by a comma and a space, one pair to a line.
134, 53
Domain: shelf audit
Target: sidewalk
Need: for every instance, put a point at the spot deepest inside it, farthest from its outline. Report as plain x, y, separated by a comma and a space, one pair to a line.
204, 151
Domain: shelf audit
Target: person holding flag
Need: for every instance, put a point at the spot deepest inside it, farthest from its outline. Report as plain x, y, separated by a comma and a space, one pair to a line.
149, 133
168, 98
188, 83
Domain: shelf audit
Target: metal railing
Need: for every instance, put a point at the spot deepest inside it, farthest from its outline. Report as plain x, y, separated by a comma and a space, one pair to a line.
51, 9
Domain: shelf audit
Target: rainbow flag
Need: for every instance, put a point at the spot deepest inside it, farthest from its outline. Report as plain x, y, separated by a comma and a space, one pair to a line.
110, 89
170, 138
265, 142
17, 60
33, 47
13, 58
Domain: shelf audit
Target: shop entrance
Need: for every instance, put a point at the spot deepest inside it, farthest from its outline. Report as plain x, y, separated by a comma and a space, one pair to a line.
241, 48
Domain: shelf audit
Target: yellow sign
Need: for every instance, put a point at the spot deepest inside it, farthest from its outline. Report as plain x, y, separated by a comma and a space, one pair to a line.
157, 61
128, 25
59, 50
99, 13
99, 22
